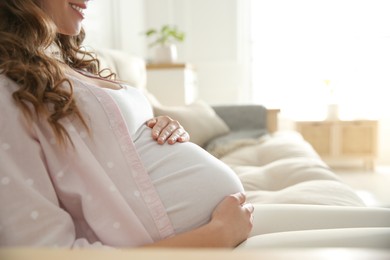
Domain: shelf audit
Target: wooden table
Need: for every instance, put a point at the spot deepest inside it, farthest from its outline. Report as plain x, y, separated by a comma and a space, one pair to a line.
193, 254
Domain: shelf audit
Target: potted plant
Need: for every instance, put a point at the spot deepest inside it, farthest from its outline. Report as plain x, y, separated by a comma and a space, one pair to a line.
333, 107
164, 41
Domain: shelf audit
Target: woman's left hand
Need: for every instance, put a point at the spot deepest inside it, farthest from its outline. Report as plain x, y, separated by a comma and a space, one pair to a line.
165, 129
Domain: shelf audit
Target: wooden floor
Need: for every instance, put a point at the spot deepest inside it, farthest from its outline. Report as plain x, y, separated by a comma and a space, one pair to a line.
372, 186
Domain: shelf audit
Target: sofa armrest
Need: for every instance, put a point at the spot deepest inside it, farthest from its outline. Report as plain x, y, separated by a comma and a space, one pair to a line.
246, 122
243, 117
248, 117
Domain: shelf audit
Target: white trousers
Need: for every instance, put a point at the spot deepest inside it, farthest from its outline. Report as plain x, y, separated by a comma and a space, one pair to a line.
277, 225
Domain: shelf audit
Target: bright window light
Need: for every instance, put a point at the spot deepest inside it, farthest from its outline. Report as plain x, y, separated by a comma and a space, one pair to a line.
309, 53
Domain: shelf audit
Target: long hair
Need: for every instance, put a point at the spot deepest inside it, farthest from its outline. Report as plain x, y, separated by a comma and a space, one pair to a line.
26, 31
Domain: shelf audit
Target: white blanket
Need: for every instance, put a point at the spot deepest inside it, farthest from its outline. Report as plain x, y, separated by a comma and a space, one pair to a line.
299, 201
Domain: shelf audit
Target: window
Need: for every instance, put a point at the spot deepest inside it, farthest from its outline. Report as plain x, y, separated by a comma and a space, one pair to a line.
304, 50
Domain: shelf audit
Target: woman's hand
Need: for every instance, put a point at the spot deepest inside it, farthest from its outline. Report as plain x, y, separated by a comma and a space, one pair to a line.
165, 129
235, 219
230, 225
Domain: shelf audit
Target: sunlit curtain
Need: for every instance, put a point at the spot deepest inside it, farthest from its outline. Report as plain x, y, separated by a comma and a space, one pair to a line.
309, 53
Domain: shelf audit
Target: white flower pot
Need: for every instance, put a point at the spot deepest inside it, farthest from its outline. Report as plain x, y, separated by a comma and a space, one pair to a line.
165, 54
333, 112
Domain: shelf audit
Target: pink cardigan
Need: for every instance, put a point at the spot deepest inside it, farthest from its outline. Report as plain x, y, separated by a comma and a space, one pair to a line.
95, 194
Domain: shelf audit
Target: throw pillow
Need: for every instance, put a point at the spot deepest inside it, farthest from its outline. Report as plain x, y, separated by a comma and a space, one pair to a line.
199, 119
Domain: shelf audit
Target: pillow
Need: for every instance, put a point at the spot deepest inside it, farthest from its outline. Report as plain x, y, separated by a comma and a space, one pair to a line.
198, 119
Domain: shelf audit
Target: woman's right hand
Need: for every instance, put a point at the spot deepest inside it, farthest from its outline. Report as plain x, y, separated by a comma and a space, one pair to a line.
230, 225
234, 218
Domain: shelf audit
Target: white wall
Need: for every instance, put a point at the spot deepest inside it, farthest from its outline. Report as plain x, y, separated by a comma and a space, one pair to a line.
116, 24
214, 43
98, 27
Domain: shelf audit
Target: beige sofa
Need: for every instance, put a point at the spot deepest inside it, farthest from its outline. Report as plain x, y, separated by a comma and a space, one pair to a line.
301, 202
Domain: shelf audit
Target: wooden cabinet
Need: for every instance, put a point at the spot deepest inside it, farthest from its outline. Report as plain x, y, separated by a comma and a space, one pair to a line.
172, 84
319, 135
342, 139
272, 119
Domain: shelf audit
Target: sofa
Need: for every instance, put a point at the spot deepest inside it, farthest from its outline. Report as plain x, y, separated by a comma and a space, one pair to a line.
301, 202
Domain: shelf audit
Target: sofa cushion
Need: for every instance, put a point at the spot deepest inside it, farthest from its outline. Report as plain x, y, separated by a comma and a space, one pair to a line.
278, 146
198, 118
230, 142
128, 68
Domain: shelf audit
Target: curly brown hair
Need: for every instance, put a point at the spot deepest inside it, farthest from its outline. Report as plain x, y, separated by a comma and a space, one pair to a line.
26, 32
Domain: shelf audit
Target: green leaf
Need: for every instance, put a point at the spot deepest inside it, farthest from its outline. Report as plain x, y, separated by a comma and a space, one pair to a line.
165, 35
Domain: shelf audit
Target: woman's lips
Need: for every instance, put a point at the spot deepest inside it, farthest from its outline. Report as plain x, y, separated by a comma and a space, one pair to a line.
79, 8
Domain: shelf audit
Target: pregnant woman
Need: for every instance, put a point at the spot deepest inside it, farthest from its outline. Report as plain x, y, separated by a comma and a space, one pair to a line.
82, 160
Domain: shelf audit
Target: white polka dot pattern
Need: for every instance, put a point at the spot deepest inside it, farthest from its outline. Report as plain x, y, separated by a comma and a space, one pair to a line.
30, 182
110, 165
87, 188
5, 180
60, 174
116, 225
34, 215
5, 146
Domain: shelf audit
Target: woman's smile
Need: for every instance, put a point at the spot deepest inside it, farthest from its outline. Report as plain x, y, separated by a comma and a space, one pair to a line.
66, 14
79, 8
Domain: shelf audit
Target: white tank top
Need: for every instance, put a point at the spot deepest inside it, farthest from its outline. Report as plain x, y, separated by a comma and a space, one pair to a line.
189, 181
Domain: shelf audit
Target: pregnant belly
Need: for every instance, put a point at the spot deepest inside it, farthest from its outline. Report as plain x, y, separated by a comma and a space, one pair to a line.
189, 180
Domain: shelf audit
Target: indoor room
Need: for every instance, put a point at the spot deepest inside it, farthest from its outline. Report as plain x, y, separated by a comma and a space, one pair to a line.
201, 129
313, 61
